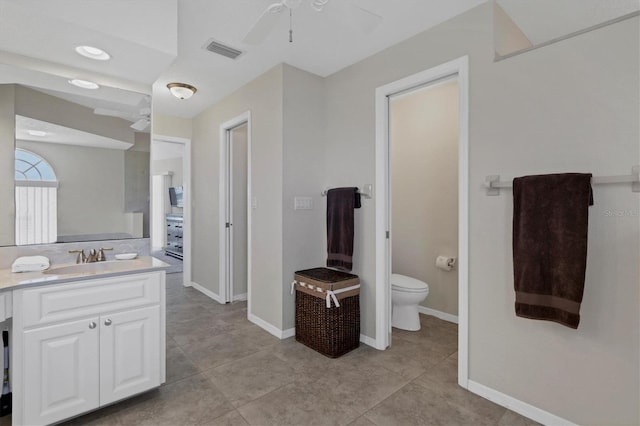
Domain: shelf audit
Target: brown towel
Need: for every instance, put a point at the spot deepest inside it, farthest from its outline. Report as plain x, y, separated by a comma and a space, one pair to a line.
340, 205
550, 221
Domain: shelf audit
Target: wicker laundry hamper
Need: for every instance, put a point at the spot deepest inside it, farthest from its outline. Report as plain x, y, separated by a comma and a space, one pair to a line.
327, 310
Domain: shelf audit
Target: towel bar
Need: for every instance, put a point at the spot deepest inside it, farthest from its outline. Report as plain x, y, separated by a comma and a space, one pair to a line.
366, 193
493, 182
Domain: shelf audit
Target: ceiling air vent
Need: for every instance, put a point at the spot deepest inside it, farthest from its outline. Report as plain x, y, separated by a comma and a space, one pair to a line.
221, 49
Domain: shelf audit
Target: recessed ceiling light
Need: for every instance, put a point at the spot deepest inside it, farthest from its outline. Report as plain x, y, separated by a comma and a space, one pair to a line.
39, 133
181, 90
84, 84
93, 53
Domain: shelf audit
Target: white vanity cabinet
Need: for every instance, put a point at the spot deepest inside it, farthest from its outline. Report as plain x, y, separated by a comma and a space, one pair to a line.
82, 345
61, 372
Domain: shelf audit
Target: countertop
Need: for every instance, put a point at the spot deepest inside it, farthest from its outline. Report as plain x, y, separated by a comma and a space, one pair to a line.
14, 280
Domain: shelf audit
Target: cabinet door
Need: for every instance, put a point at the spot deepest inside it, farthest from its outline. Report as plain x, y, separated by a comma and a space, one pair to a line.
129, 353
61, 371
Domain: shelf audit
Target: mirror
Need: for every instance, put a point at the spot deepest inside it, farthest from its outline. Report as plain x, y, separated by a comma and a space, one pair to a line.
74, 167
520, 26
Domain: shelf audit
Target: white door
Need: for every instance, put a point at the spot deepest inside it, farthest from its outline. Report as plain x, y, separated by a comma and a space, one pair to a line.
61, 365
236, 212
129, 353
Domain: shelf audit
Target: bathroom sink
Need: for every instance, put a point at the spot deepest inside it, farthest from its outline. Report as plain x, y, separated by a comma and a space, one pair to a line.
93, 268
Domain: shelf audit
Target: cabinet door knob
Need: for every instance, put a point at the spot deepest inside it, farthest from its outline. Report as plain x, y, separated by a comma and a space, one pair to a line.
107, 322
92, 325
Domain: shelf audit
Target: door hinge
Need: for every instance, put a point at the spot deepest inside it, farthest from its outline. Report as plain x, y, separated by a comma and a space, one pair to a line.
227, 225
387, 235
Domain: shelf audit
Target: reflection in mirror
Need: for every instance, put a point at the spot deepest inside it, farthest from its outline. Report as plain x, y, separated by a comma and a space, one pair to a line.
521, 25
94, 156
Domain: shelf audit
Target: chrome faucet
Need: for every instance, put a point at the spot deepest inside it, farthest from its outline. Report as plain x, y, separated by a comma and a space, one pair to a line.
101, 256
94, 256
81, 258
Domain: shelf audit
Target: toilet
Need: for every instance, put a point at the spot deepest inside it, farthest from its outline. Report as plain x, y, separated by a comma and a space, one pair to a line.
406, 295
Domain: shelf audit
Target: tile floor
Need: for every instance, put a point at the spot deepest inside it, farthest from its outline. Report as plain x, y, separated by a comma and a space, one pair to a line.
223, 370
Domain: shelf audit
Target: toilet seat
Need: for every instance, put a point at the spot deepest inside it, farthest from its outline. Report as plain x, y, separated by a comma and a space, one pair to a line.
407, 284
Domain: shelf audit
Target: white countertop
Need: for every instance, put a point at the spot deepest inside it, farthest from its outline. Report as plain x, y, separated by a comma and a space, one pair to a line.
12, 280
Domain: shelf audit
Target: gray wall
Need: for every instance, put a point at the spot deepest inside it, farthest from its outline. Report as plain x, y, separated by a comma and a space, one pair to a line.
169, 164
91, 193
7, 164
263, 97
167, 125
571, 106
304, 231
287, 161
424, 175
137, 185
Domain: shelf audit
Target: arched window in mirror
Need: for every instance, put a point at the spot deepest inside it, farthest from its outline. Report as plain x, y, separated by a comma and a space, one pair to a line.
36, 195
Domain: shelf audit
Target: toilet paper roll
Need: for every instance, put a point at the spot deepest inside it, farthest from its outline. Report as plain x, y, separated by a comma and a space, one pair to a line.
445, 263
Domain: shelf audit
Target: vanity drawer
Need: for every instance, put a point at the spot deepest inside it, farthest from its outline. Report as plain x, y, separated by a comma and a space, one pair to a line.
61, 302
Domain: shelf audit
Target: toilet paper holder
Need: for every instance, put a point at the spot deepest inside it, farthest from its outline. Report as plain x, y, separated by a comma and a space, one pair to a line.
445, 263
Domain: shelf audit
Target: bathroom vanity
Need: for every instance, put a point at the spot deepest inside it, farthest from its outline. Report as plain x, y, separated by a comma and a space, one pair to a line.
83, 336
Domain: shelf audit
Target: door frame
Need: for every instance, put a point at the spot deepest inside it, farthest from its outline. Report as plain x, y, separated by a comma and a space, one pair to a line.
186, 201
460, 68
224, 181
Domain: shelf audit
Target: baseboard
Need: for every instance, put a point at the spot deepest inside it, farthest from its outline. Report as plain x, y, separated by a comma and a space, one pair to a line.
240, 297
289, 332
207, 292
520, 407
438, 314
368, 341
272, 329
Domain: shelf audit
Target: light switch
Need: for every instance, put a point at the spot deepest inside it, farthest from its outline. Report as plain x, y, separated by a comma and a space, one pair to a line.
303, 203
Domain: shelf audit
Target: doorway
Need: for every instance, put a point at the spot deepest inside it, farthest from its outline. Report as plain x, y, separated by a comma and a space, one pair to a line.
234, 211
455, 70
423, 182
171, 169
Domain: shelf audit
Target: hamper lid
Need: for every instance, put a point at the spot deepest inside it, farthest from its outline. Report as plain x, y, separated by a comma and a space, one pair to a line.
326, 275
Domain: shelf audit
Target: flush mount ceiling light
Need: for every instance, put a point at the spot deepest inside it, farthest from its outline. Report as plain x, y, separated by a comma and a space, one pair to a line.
93, 53
38, 133
84, 84
181, 90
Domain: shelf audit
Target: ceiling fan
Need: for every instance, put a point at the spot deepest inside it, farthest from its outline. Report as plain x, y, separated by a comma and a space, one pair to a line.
140, 120
366, 20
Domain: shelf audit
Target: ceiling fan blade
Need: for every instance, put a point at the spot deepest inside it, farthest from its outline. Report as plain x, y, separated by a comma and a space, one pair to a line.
113, 113
265, 24
141, 124
365, 20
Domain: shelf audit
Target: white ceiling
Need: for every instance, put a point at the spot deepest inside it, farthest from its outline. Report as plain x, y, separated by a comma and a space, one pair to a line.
323, 42
154, 42
139, 34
